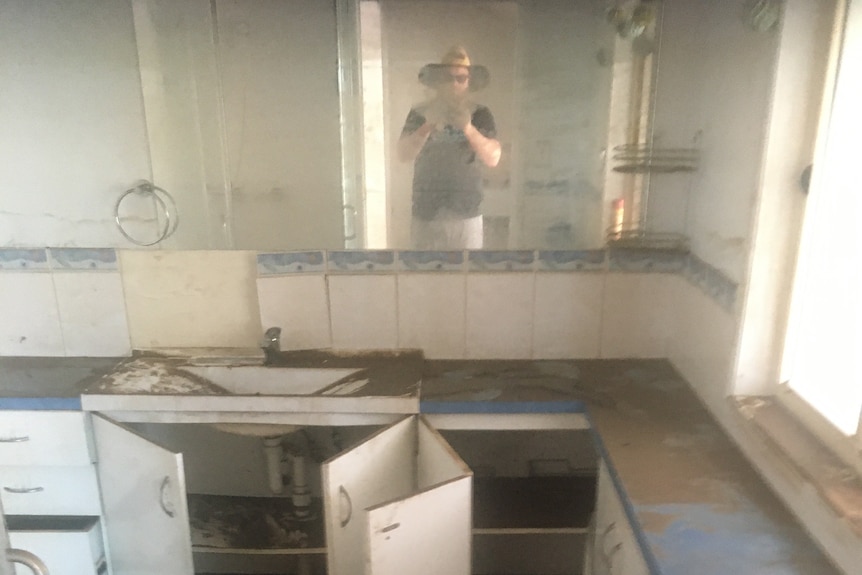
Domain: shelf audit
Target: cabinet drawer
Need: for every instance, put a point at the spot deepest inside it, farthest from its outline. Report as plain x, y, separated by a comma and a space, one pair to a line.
617, 550
44, 438
67, 545
49, 490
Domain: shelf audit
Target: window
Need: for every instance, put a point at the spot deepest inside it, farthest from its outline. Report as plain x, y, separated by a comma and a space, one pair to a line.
821, 362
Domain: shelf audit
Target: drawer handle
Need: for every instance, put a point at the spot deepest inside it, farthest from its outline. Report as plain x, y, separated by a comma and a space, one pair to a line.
19, 439
23, 489
165, 504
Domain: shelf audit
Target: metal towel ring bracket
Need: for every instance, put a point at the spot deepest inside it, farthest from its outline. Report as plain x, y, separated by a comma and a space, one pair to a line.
166, 204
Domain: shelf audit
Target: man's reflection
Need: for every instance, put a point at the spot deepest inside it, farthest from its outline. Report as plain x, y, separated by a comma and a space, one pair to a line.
450, 138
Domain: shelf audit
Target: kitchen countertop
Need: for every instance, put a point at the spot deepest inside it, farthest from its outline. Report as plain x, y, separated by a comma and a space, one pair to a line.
48, 382
696, 503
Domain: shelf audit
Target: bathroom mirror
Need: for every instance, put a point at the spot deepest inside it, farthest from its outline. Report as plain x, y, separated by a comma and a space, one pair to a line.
272, 124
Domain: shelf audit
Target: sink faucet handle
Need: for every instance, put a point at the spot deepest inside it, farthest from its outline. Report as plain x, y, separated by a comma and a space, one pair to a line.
272, 334
271, 344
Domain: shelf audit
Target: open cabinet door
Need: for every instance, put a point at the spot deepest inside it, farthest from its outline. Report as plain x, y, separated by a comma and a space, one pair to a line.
400, 502
143, 502
378, 469
428, 533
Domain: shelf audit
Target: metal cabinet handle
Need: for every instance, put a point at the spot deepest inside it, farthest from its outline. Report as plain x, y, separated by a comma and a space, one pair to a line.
164, 502
23, 489
18, 439
345, 506
26, 558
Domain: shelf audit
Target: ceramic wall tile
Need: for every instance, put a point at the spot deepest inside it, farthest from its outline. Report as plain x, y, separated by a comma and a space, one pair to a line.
92, 314
83, 259
702, 343
290, 262
567, 316
299, 305
442, 261
636, 315
191, 299
30, 324
572, 260
499, 315
18, 259
431, 314
505, 260
363, 310
712, 282
361, 261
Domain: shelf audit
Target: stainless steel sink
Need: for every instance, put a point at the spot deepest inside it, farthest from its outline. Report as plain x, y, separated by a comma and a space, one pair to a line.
261, 380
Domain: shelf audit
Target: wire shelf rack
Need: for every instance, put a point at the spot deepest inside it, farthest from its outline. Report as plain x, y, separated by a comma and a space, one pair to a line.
647, 158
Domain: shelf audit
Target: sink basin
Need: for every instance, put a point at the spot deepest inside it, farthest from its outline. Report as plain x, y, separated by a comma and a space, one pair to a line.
262, 380
255, 400
256, 429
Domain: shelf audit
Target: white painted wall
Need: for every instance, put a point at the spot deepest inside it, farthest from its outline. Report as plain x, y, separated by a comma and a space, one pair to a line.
714, 87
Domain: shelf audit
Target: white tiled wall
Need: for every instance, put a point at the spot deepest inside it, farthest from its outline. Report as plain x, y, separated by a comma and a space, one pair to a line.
92, 314
30, 323
500, 315
567, 315
701, 343
208, 299
299, 305
63, 314
363, 309
509, 315
432, 314
636, 315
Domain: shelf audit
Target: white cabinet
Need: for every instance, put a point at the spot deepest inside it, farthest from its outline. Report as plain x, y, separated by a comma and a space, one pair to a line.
144, 500
399, 503
381, 506
534, 489
67, 544
615, 550
392, 499
49, 491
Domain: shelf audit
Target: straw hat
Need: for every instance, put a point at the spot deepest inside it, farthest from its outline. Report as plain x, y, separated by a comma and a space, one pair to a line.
432, 75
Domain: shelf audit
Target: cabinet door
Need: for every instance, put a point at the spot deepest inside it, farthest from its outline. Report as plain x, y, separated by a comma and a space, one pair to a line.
398, 503
144, 503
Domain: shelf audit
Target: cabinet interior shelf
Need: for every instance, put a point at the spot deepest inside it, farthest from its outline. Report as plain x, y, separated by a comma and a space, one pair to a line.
253, 526
528, 505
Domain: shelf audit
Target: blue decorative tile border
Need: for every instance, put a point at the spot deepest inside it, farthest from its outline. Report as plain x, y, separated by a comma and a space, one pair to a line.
361, 261
646, 260
23, 259
503, 260
290, 262
83, 259
711, 281
572, 260
708, 279
419, 261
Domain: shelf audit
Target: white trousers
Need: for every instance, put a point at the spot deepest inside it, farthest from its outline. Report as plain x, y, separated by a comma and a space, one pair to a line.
447, 233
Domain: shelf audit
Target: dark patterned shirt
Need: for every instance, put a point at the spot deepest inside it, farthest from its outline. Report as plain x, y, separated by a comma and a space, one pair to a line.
447, 174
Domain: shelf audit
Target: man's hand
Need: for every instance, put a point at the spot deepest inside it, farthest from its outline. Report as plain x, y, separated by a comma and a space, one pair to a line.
436, 115
459, 117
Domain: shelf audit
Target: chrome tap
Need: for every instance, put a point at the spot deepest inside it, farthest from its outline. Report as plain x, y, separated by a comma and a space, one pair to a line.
271, 345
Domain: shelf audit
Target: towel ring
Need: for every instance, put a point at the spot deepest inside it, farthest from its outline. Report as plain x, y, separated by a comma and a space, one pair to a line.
166, 204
